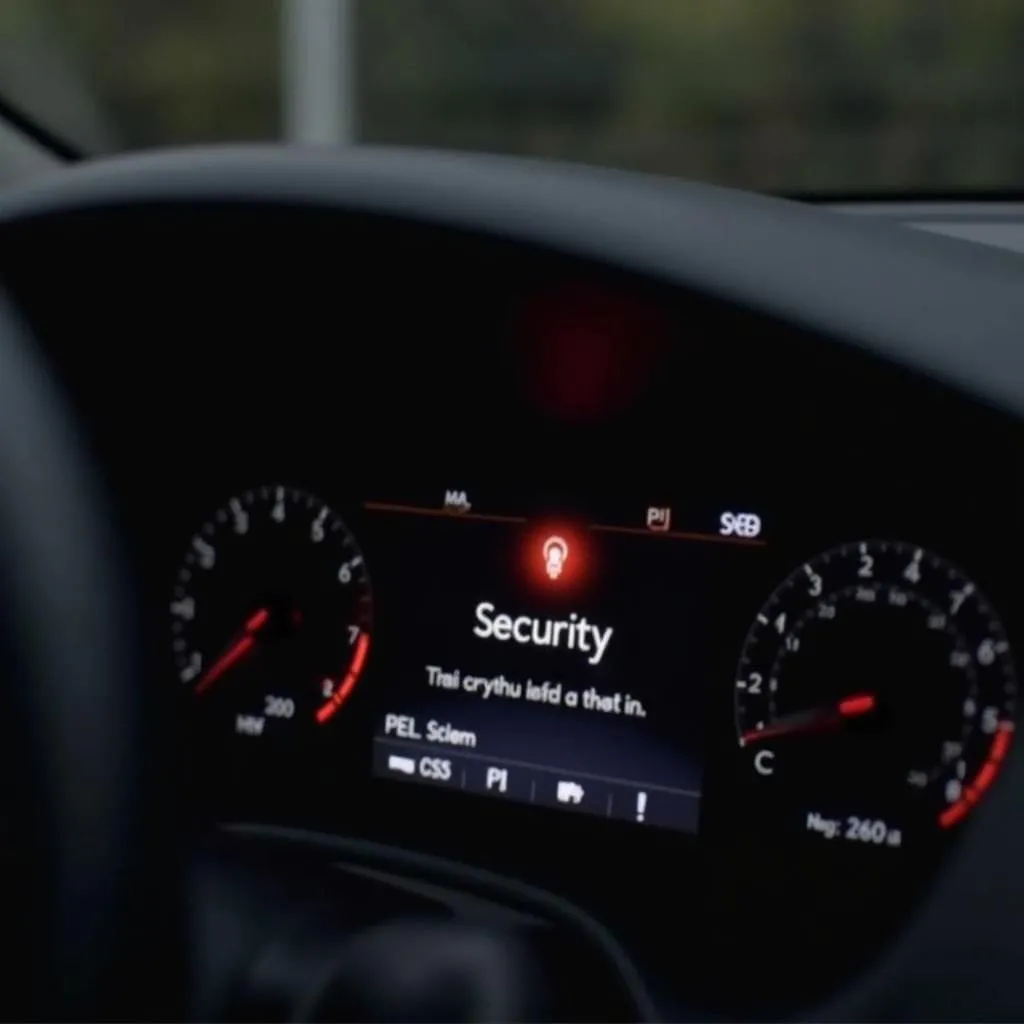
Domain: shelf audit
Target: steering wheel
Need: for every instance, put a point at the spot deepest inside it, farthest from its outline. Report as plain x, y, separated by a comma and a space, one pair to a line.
89, 888
94, 883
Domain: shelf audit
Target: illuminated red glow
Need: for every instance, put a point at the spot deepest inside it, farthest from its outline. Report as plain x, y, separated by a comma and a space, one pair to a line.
974, 791
556, 555
342, 693
862, 704
236, 652
555, 552
589, 352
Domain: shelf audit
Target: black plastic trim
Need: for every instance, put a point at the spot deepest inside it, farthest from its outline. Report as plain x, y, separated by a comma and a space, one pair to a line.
424, 866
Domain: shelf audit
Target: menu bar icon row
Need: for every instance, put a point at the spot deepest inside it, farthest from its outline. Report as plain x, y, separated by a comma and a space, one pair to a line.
537, 784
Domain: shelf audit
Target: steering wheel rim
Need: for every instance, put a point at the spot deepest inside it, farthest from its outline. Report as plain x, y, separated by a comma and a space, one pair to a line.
91, 882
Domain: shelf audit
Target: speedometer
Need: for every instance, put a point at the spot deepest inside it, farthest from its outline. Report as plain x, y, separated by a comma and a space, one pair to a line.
271, 614
875, 694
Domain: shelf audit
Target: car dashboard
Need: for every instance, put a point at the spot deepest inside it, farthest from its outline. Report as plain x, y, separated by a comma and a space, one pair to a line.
699, 614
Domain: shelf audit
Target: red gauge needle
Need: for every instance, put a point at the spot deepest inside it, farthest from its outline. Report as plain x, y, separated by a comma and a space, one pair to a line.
815, 718
238, 650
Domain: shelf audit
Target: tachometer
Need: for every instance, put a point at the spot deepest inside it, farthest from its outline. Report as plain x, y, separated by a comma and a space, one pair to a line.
875, 694
271, 613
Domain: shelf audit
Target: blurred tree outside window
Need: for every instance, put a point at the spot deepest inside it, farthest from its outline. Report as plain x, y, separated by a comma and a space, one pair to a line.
848, 96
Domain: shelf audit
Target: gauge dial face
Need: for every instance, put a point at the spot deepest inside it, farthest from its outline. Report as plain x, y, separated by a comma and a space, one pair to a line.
271, 614
875, 695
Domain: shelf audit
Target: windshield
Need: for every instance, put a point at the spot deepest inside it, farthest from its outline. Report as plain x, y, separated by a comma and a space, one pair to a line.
795, 96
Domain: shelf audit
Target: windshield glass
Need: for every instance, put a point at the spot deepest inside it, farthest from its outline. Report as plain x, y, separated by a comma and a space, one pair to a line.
796, 96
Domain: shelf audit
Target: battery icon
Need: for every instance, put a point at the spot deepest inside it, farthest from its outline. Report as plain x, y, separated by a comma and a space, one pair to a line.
405, 765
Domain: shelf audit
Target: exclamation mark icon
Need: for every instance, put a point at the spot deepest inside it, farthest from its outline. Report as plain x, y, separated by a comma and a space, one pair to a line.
641, 805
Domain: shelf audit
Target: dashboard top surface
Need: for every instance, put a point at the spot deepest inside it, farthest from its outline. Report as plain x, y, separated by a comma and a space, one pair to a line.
847, 380
902, 296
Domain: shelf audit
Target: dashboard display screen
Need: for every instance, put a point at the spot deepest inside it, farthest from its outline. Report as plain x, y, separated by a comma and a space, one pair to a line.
550, 656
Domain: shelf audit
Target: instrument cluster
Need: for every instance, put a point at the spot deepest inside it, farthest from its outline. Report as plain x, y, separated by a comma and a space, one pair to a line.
546, 657
749, 721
